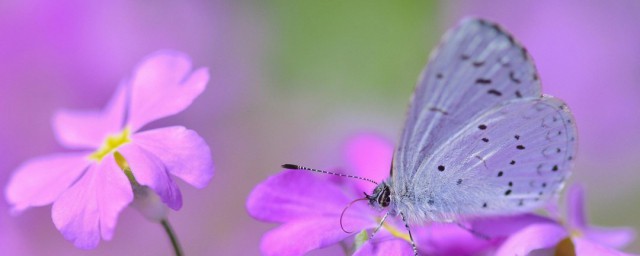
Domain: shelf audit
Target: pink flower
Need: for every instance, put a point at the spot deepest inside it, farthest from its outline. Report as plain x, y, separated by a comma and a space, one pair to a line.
89, 187
576, 234
309, 206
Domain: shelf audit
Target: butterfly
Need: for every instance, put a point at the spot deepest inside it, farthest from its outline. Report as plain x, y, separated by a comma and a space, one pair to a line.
480, 139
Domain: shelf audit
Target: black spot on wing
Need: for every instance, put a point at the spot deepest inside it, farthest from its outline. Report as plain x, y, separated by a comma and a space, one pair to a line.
494, 92
483, 81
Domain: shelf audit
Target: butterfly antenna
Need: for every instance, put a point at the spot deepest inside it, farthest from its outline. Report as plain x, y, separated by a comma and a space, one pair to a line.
345, 209
298, 167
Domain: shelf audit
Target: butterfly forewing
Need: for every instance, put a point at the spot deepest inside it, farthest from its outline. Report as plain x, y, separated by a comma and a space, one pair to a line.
476, 67
509, 159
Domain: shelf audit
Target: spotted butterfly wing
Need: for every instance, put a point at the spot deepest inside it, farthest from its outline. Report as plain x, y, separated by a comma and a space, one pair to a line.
510, 159
477, 66
477, 74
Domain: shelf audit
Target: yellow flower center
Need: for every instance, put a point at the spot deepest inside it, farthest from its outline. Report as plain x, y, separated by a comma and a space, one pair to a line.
363, 236
111, 144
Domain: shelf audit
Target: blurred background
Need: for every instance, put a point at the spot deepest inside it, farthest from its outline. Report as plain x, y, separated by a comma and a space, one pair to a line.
292, 81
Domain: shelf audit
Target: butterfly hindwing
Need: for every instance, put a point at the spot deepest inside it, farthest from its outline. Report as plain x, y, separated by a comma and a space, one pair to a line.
507, 160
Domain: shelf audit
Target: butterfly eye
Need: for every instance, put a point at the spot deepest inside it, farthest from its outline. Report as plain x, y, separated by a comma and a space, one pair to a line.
384, 198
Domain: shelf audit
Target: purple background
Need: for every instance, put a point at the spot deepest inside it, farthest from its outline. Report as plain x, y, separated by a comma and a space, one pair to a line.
291, 83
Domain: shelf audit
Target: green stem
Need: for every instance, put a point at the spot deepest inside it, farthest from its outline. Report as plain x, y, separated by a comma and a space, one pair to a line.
172, 235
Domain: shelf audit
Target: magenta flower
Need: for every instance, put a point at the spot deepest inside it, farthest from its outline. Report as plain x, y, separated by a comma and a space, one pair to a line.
575, 234
309, 206
89, 187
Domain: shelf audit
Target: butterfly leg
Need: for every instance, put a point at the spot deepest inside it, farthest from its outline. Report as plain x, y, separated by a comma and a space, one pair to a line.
379, 226
413, 244
474, 232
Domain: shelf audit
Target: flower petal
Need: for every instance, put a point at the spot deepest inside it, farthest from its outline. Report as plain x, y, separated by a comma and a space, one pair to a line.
292, 195
385, 246
586, 247
301, 236
90, 208
369, 156
611, 237
149, 170
87, 129
40, 181
533, 237
575, 207
163, 85
446, 238
184, 153
503, 226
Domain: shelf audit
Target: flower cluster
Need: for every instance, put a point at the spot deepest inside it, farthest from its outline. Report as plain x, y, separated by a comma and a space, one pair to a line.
113, 160
309, 207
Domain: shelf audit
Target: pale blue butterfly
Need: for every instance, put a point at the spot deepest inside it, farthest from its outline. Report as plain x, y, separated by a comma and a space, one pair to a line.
480, 139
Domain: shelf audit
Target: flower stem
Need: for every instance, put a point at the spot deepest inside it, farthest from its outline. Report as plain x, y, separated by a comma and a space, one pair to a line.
172, 235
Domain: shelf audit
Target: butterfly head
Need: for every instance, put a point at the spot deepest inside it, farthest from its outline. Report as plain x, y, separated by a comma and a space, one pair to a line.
381, 197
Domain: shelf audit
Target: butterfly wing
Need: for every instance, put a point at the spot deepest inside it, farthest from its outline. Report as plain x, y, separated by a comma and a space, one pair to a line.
510, 159
476, 67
